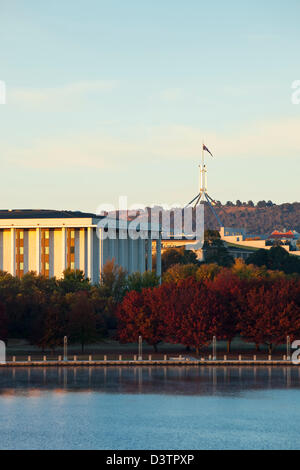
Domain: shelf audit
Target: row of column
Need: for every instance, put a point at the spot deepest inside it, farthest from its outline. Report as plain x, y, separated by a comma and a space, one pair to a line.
90, 252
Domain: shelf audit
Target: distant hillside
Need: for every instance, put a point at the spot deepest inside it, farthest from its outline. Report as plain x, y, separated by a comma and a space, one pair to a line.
260, 219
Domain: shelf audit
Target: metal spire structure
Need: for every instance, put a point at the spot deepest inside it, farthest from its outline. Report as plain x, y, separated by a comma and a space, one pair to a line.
203, 195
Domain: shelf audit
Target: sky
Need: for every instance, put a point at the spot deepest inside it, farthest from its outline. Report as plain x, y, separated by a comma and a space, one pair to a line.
114, 98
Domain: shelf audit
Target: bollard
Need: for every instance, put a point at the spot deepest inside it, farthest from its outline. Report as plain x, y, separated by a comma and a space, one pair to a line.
45, 358
209, 357
240, 357
270, 358
165, 357
29, 358
180, 357
134, 357
105, 358
225, 358
75, 358
14, 358
120, 358
90, 358
254, 358
59, 358
202, 359
284, 357
150, 357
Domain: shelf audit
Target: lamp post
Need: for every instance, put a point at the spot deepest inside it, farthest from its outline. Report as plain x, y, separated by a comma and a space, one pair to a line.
288, 348
140, 348
214, 348
65, 348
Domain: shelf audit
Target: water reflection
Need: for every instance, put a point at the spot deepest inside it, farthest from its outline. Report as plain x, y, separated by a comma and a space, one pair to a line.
149, 380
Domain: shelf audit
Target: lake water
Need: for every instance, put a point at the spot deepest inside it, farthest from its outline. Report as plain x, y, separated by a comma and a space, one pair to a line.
150, 408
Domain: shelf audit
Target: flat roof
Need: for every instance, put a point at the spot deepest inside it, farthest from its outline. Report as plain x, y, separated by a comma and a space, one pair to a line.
44, 214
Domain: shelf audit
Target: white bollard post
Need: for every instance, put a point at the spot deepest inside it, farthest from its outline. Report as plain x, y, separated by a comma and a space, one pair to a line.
120, 357
225, 358
165, 357
75, 358
240, 357
150, 357
29, 359
45, 358
90, 359
14, 358
254, 358
105, 358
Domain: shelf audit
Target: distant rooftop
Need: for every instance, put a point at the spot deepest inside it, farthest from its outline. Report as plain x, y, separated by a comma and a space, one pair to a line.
43, 214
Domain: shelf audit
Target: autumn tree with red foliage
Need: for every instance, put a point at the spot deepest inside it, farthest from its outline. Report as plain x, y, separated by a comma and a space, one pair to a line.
272, 313
138, 315
230, 291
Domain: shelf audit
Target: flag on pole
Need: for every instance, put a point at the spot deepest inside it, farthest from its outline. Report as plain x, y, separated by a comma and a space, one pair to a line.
206, 149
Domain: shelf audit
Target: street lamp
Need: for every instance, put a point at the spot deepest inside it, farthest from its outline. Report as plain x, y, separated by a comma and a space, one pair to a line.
288, 348
65, 348
214, 348
140, 348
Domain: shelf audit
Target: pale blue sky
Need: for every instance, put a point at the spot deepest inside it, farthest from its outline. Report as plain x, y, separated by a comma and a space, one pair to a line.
109, 98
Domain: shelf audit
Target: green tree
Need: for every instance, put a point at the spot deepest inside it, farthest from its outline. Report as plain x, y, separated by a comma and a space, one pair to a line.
180, 255
214, 249
55, 323
73, 281
81, 319
138, 281
113, 281
177, 272
277, 258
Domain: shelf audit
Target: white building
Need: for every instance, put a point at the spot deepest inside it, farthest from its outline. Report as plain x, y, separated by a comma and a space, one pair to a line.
48, 242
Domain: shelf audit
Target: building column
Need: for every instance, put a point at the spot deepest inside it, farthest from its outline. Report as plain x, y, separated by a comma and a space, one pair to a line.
130, 255
64, 250
90, 273
122, 253
149, 253
38, 250
13, 251
111, 249
158, 257
82, 261
141, 255
101, 247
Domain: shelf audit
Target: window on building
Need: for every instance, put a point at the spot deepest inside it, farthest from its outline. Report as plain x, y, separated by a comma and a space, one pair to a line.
21, 250
47, 234
47, 266
21, 266
21, 235
46, 250
72, 233
72, 250
72, 265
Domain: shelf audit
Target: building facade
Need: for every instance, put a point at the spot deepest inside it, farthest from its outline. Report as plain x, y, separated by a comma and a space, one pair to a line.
48, 242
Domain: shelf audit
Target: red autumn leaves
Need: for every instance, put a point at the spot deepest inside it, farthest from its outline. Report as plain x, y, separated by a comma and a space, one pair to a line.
190, 312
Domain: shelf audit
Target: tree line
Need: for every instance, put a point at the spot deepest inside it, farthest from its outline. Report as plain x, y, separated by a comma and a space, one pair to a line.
43, 310
193, 305
260, 219
218, 297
